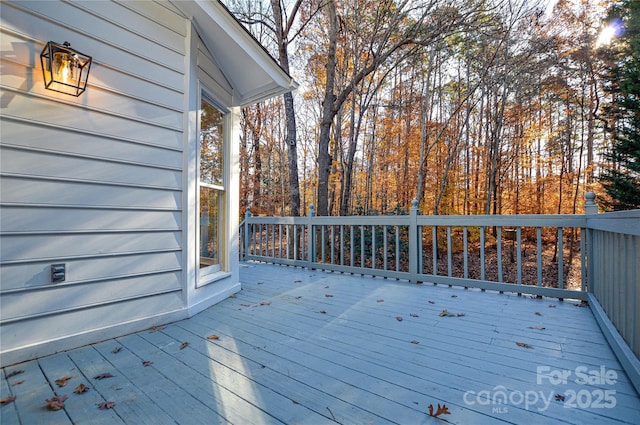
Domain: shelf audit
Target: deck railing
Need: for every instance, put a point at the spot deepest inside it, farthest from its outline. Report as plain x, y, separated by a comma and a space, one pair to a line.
587, 257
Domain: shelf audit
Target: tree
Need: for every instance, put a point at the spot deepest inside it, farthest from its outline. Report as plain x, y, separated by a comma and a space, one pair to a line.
622, 179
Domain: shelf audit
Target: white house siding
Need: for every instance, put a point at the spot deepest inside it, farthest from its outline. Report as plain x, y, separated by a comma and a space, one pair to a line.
95, 182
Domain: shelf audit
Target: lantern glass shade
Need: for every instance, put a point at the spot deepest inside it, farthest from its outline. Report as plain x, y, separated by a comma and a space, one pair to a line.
64, 69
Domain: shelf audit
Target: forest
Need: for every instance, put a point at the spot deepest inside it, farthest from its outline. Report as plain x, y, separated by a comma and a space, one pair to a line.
468, 106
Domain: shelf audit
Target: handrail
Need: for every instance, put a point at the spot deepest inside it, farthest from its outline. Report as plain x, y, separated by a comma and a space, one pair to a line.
587, 257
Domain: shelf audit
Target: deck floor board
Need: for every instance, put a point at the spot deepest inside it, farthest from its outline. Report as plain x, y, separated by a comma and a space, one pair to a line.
300, 346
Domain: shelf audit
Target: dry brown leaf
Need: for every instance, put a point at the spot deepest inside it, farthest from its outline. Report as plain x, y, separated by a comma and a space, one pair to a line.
245, 305
443, 313
103, 375
297, 281
327, 286
107, 405
56, 402
559, 397
328, 295
431, 302
294, 402
116, 350
322, 312
538, 328
7, 400
538, 313
156, 328
62, 381
265, 303
442, 410
413, 315
453, 296
399, 319
415, 342
80, 389
14, 373
582, 304
184, 345
232, 296
213, 337
380, 301
523, 345
17, 383
460, 314
146, 363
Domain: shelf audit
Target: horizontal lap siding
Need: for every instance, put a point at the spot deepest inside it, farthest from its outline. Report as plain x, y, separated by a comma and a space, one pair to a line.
95, 182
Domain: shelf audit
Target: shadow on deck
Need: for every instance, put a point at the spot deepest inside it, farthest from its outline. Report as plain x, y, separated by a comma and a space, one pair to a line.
301, 346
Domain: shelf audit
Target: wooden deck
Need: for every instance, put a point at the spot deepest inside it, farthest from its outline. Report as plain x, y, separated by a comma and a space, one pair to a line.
301, 346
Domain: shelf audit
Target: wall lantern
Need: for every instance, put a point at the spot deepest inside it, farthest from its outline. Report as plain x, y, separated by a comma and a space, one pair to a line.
64, 69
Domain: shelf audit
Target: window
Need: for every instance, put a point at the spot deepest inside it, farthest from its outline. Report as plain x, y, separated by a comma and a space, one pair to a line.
211, 189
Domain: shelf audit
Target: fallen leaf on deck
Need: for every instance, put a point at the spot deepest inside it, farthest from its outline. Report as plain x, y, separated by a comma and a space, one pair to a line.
298, 297
232, 296
265, 303
62, 381
443, 313
582, 304
80, 389
399, 319
538, 328
552, 305
106, 405
146, 363
328, 295
184, 345
442, 410
103, 375
380, 301
538, 313
260, 283
452, 296
431, 302
523, 345
415, 342
245, 305
7, 400
213, 337
559, 397
14, 373
116, 350
322, 312
56, 402
17, 383
156, 328
326, 287
297, 281
413, 315
460, 314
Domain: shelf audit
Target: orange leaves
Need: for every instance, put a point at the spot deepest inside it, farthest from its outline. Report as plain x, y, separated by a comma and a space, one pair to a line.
441, 410
56, 402
213, 337
523, 345
7, 400
62, 381
446, 313
106, 405
80, 389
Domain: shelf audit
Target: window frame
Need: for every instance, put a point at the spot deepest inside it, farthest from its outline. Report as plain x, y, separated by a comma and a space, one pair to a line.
211, 273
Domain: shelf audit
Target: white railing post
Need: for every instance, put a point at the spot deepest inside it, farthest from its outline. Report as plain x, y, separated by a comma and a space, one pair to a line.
413, 242
311, 240
247, 233
590, 208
